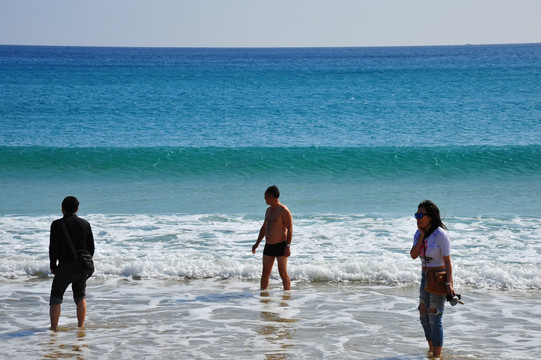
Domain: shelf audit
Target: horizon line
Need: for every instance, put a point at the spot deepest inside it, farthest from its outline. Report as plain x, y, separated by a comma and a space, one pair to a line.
273, 47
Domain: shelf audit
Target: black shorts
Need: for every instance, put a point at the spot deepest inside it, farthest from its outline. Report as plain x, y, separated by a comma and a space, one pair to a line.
275, 249
63, 277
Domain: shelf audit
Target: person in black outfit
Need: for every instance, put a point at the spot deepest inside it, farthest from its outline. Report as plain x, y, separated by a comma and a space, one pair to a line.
64, 272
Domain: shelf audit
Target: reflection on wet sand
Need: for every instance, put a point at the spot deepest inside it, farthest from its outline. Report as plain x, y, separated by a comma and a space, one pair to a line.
62, 345
277, 329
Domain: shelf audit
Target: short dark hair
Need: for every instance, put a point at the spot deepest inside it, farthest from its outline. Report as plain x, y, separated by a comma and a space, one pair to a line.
273, 191
70, 204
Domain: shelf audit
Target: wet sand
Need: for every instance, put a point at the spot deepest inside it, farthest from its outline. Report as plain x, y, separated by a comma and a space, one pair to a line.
210, 319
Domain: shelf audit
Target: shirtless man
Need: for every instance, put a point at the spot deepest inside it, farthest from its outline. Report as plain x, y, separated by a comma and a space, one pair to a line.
277, 229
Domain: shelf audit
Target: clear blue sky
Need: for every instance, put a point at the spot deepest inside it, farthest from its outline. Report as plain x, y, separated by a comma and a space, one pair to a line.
268, 23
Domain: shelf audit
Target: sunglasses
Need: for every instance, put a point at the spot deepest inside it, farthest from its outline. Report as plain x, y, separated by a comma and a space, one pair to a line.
419, 215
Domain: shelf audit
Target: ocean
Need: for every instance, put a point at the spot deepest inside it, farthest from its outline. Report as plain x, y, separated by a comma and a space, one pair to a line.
170, 150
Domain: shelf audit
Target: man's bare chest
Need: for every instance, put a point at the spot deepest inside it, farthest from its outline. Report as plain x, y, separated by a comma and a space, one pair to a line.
274, 217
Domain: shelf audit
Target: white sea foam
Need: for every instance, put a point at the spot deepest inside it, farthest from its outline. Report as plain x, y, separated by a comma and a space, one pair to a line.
500, 253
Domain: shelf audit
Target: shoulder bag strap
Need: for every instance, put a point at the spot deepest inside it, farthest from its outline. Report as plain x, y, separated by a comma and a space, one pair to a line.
68, 237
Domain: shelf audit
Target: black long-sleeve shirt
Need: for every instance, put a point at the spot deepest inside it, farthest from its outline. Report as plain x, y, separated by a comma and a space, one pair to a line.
81, 236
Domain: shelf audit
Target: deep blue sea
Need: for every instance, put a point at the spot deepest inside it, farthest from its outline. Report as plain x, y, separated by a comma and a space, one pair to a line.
170, 151
340, 130
169, 145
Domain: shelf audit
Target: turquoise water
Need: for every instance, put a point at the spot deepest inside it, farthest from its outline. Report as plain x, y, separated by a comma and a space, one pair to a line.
173, 148
465, 180
354, 130
426, 96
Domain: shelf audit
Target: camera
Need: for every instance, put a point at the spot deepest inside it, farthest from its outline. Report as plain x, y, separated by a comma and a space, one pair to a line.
453, 300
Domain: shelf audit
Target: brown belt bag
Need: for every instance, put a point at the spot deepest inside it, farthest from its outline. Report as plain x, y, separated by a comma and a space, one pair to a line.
435, 282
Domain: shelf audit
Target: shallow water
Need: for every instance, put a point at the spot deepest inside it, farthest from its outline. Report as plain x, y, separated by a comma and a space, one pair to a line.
209, 319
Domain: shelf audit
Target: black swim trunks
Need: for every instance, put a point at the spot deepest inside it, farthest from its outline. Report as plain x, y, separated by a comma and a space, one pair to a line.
275, 249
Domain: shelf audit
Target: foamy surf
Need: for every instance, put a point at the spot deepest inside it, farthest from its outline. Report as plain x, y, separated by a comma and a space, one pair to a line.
488, 253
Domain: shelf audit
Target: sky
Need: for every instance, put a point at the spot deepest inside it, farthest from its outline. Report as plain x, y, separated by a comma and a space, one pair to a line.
266, 23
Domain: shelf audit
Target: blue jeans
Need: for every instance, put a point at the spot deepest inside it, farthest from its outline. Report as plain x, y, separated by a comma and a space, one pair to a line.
431, 321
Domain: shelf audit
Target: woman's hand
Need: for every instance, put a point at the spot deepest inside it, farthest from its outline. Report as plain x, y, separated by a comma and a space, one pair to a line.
416, 249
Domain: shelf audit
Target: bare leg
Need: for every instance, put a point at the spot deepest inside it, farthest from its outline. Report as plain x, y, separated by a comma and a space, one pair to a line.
54, 312
282, 269
268, 262
81, 313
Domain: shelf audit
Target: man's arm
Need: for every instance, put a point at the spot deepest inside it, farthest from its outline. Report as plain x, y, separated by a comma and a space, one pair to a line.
288, 224
262, 233
90, 241
53, 250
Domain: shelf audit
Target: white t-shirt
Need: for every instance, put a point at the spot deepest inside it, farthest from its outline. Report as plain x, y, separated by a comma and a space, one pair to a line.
438, 245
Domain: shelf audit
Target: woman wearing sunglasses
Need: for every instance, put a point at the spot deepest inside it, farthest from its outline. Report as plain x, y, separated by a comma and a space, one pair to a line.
432, 244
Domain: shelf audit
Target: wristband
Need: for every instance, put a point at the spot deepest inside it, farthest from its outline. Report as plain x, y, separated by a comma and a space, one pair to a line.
448, 283
288, 245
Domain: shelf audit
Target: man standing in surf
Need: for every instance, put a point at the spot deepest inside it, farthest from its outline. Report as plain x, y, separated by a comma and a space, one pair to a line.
277, 229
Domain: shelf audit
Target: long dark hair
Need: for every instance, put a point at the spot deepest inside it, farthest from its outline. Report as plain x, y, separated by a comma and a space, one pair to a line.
434, 213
